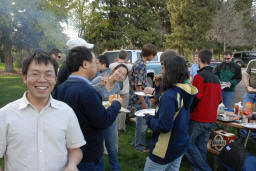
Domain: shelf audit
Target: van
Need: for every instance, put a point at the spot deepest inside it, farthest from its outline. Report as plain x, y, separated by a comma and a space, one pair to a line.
242, 58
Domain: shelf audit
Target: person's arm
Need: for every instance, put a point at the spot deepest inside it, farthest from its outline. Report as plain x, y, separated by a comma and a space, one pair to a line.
246, 82
237, 77
74, 157
198, 82
190, 78
167, 110
141, 98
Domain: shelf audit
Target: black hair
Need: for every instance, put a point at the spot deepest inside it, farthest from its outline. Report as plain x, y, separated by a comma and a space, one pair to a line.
103, 59
122, 54
205, 56
76, 57
39, 57
167, 54
54, 51
228, 52
176, 71
148, 49
120, 65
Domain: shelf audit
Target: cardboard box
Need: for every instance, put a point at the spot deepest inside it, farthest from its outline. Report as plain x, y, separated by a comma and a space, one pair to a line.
221, 138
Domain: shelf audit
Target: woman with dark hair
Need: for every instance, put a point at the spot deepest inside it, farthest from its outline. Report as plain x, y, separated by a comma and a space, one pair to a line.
170, 123
111, 86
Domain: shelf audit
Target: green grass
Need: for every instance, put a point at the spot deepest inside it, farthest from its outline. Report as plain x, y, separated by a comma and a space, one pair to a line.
13, 88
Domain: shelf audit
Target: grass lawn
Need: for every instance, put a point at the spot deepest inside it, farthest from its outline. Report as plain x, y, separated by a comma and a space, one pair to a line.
12, 88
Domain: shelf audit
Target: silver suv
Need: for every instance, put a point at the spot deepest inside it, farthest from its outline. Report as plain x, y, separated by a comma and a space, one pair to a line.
153, 67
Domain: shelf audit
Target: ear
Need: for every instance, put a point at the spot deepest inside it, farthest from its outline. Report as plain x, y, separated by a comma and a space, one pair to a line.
24, 78
85, 64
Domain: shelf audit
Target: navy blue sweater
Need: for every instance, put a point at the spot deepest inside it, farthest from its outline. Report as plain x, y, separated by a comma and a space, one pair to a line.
92, 115
170, 136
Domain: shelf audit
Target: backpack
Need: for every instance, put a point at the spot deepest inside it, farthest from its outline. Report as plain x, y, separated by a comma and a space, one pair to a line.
233, 155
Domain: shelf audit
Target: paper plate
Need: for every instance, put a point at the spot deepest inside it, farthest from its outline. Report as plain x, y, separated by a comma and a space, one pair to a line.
145, 111
107, 104
141, 93
250, 125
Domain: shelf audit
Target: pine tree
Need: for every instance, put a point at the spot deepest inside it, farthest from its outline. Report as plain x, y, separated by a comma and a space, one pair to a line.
190, 20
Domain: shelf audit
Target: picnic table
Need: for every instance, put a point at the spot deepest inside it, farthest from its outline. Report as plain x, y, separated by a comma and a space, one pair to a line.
239, 126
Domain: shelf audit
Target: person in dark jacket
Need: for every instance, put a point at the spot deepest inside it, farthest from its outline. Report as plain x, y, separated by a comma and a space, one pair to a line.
93, 118
230, 75
170, 123
203, 112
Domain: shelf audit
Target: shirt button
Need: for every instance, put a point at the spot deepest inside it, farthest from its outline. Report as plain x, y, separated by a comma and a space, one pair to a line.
41, 151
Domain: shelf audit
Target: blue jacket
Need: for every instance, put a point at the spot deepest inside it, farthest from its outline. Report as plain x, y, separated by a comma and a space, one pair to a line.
170, 136
92, 115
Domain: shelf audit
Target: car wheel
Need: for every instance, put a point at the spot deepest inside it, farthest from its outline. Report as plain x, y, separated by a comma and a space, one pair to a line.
149, 81
239, 63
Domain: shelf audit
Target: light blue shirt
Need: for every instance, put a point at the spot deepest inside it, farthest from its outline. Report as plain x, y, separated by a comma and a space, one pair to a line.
194, 69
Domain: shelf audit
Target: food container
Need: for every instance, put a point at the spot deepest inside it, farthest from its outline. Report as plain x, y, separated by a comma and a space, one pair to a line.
221, 138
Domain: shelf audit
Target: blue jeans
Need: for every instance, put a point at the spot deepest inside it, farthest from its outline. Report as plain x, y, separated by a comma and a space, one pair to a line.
91, 166
140, 131
172, 166
199, 135
110, 137
227, 98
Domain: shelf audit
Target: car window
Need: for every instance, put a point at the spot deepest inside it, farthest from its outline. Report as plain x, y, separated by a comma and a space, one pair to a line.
237, 55
129, 56
155, 59
253, 54
111, 56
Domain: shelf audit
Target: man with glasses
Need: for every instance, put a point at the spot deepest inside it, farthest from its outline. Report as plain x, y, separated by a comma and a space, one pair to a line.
230, 75
38, 132
55, 54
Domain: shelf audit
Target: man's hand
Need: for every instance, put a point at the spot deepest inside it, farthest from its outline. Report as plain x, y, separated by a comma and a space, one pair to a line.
144, 105
250, 89
157, 80
118, 98
71, 167
149, 90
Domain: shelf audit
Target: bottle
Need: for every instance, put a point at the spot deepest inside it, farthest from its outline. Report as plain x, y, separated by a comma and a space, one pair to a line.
238, 107
221, 108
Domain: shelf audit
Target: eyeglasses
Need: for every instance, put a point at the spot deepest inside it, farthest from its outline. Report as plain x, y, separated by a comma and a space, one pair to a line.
59, 57
36, 76
227, 58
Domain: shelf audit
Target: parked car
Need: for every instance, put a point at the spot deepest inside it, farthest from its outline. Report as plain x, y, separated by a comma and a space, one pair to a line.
153, 67
214, 64
242, 58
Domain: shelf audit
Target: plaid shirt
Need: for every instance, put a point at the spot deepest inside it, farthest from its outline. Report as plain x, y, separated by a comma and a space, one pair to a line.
138, 77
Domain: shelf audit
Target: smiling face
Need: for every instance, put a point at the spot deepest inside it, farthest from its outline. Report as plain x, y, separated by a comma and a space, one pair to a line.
120, 74
40, 81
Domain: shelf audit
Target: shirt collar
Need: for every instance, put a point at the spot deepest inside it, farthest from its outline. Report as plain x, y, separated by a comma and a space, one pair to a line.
25, 103
80, 77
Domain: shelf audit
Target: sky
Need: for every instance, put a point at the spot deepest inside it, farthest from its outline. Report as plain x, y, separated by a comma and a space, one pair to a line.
69, 30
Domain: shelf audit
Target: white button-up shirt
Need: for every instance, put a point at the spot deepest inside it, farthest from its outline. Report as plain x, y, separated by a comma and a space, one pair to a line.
32, 140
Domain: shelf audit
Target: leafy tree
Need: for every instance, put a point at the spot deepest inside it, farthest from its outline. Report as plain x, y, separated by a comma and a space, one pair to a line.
230, 26
190, 20
115, 24
28, 24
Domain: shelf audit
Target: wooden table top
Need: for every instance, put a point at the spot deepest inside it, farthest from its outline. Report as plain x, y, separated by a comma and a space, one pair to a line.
235, 125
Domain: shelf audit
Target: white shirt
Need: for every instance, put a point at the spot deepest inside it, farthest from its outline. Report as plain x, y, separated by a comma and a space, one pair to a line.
32, 140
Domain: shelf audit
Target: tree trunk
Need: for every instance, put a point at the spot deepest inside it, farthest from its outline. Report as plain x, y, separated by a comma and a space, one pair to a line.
8, 58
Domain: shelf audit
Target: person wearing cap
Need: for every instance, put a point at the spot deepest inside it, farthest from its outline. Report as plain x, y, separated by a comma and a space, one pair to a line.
72, 43
55, 54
